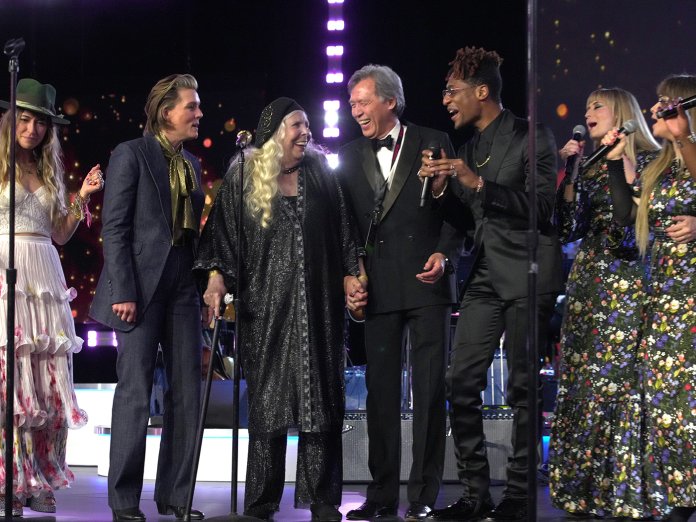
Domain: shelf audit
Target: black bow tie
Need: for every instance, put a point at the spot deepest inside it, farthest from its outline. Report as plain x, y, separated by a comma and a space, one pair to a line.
386, 142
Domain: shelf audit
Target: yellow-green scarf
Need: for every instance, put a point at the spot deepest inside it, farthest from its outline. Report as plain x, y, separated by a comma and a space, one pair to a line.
182, 182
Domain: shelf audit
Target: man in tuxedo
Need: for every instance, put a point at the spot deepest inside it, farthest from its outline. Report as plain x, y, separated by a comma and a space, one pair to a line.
411, 285
489, 180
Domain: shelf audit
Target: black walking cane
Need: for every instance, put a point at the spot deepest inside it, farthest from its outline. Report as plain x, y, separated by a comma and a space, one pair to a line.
243, 139
12, 49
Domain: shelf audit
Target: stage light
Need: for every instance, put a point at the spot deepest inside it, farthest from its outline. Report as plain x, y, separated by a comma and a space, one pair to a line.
91, 338
335, 1
332, 105
334, 50
331, 118
334, 77
562, 111
332, 159
230, 125
331, 132
207, 143
71, 106
335, 25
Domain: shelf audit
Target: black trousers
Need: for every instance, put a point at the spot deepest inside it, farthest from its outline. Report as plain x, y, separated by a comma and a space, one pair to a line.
483, 318
319, 478
429, 329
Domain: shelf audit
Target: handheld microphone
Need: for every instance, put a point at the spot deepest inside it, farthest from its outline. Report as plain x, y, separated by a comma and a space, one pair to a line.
243, 138
434, 149
686, 104
629, 127
578, 134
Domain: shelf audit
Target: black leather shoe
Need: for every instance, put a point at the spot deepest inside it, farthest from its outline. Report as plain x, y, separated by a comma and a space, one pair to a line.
509, 510
370, 510
416, 511
325, 513
178, 511
132, 514
465, 508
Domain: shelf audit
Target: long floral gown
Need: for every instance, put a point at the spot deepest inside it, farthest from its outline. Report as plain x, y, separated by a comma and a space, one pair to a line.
668, 350
595, 450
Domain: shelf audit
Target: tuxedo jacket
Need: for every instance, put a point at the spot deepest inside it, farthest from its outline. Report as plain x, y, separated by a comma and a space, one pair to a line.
407, 235
500, 210
137, 227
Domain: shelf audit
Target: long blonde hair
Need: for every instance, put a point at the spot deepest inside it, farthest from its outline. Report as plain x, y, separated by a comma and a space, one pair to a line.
675, 86
624, 107
49, 157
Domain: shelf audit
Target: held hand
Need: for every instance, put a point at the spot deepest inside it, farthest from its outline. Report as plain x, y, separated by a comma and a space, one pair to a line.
611, 137
679, 125
446, 168
356, 292
572, 148
438, 182
126, 311
683, 229
214, 295
433, 269
93, 182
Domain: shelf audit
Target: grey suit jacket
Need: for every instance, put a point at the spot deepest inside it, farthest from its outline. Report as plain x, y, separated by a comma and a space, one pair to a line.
137, 227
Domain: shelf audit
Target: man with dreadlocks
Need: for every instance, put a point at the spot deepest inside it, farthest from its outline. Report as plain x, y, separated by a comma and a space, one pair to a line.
489, 180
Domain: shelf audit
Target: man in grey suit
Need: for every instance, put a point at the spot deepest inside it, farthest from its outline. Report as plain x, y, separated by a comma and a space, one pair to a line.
151, 216
411, 285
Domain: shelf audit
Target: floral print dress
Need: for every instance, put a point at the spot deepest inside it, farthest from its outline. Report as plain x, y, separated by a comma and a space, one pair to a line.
595, 462
668, 350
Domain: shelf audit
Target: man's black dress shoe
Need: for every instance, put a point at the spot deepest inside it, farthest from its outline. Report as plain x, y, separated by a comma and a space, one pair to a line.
132, 514
325, 513
178, 511
416, 511
509, 510
466, 508
370, 510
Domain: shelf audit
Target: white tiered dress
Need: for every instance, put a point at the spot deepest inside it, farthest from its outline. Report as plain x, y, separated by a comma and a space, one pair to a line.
44, 398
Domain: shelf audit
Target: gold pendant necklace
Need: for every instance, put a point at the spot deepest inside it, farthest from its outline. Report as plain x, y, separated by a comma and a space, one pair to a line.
479, 165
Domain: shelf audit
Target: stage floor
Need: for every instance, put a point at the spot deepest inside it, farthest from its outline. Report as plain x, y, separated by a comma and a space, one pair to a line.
86, 501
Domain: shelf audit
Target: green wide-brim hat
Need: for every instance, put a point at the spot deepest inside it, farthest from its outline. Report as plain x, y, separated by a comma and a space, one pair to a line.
37, 97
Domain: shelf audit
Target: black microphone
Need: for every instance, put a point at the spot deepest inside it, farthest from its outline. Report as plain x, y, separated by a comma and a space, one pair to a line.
243, 138
14, 47
629, 127
434, 149
578, 134
686, 104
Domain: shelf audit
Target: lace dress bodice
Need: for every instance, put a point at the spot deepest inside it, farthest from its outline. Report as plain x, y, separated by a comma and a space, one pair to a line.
32, 211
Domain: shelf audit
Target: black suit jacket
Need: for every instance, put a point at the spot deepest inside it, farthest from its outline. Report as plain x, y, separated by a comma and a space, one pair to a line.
501, 209
137, 227
407, 235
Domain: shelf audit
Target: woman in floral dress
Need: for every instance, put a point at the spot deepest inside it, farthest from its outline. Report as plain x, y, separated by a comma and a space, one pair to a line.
594, 458
666, 236
44, 399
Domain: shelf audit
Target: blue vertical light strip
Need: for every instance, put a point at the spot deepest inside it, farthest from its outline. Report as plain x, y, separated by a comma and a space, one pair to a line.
335, 26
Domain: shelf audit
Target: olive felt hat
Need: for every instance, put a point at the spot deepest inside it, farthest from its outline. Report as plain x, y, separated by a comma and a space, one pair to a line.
37, 97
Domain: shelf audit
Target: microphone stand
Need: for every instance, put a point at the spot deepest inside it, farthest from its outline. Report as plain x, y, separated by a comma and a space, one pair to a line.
532, 275
243, 139
12, 49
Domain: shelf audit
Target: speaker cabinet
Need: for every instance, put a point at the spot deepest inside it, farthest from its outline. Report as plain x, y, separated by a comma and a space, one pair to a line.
497, 427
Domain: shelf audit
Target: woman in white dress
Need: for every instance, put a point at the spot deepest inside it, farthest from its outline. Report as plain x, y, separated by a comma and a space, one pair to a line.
44, 336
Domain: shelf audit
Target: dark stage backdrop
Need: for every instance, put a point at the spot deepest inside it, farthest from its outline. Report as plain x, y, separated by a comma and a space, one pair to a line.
104, 55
